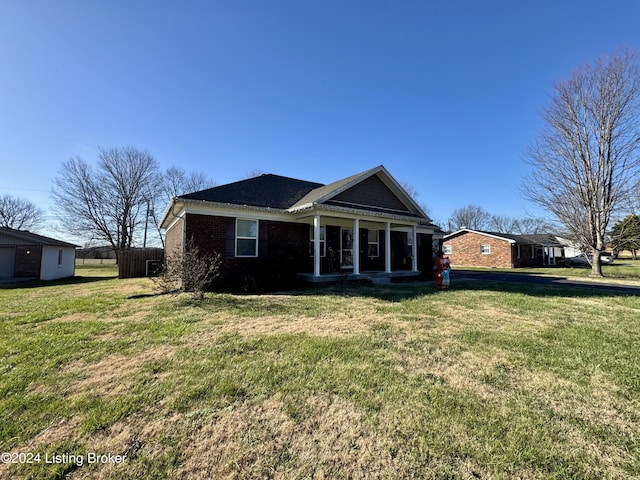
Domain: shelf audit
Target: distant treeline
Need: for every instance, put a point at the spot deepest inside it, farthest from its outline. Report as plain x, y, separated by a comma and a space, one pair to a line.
100, 253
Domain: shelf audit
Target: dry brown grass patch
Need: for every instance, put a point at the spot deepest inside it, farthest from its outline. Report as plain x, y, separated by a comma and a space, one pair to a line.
113, 375
262, 440
340, 325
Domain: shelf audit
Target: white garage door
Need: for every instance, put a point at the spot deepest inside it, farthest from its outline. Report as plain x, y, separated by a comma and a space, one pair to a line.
7, 259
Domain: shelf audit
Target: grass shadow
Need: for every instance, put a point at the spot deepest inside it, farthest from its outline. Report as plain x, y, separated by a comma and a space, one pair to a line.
35, 283
389, 293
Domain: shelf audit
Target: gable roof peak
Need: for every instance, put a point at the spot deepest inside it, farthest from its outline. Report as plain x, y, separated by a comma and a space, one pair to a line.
330, 191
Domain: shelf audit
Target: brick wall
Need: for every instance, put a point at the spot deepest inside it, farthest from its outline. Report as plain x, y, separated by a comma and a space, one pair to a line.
28, 261
529, 257
465, 251
174, 240
209, 232
283, 250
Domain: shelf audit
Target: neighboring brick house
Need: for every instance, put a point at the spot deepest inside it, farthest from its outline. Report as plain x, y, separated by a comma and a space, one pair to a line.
475, 248
271, 228
24, 254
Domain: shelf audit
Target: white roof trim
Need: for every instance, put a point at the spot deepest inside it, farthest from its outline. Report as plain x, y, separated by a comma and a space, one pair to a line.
464, 230
181, 206
355, 212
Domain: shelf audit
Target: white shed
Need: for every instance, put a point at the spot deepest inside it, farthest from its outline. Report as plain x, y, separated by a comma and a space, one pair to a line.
24, 254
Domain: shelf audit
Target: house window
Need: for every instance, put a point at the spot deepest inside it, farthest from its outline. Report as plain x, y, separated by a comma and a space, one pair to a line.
446, 249
373, 249
60, 258
485, 249
323, 243
518, 251
246, 238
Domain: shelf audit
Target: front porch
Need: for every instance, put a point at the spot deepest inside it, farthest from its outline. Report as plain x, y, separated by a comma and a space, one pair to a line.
378, 277
351, 246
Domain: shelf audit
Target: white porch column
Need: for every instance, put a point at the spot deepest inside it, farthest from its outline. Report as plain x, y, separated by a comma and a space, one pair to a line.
356, 247
316, 245
414, 252
387, 247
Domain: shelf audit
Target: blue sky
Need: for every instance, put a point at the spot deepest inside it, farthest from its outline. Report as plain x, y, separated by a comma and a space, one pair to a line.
446, 95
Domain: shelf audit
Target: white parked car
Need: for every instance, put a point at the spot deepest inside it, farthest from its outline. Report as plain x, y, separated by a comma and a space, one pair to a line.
606, 258
584, 260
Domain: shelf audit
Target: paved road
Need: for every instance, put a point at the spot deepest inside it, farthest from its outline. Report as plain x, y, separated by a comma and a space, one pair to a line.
457, 275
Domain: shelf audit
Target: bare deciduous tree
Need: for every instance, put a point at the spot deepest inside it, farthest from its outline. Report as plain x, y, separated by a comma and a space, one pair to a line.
524, 225
107, 202
413, 193
586, 158
471, 216
175, 181
533, 225
19, 213
503, 224
254, 172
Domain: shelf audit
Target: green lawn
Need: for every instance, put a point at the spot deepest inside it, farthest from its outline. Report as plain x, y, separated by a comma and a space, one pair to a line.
486, 380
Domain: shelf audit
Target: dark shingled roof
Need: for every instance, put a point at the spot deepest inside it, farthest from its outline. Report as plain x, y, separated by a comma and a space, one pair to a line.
267, 190
544, 239
521, 239
33, 238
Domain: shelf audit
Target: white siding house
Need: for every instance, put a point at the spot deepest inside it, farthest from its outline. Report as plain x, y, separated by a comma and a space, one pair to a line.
28, 255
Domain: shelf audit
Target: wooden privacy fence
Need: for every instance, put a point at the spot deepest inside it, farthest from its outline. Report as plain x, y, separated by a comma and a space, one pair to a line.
140, 262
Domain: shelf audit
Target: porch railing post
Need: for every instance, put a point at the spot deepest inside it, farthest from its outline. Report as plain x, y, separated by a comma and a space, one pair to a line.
414, 253
356, 247
387, 247
316, 245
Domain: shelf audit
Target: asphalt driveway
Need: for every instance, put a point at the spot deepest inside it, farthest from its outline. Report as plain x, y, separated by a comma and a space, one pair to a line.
485, 275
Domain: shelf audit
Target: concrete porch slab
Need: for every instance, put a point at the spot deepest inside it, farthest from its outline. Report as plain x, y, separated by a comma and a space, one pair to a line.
372, 277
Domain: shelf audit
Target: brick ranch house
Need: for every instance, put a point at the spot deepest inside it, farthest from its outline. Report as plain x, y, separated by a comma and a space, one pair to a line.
271, 229
475, 248
24, 254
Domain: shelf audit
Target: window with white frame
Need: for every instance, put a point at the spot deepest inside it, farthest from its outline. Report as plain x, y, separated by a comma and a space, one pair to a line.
373, 240
446, 249
323, 243
60, 253
246, 238
485, 249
